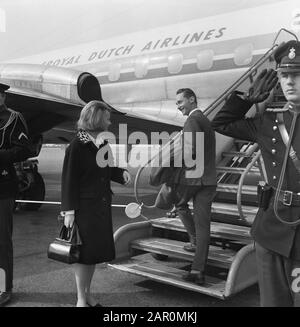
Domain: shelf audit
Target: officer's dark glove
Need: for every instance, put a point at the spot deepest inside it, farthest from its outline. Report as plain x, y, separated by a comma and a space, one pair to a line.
262, 86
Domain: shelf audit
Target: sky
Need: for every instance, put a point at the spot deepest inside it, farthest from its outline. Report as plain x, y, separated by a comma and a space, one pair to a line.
35, 26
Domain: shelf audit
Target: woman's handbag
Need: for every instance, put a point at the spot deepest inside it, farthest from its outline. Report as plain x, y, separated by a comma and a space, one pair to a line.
66, 247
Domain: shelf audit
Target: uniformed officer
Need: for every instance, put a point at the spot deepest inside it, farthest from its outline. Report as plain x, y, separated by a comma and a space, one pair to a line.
14, 147
277, 131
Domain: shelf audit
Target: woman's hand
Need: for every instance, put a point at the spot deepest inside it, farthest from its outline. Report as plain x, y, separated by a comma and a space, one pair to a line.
126, 177
69, 220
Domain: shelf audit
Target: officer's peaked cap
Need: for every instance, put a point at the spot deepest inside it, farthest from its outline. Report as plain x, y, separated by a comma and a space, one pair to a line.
287, 57
3, 87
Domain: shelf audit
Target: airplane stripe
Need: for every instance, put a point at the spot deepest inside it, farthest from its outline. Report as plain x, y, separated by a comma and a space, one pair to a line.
259, 43
190, 68
185, 62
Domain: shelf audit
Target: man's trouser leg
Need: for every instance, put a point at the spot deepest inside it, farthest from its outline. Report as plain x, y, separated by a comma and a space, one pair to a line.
275, 279
182, 195
6, 246
202, 201
198, 225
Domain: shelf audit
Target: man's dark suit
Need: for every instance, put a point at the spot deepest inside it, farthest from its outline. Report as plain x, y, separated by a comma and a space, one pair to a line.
199, 188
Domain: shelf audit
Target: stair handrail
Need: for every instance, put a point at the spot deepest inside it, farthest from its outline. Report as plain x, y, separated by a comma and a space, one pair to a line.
173, 139
241, 183
250, 73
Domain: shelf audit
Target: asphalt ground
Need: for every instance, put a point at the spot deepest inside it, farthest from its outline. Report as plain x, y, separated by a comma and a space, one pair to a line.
41, 282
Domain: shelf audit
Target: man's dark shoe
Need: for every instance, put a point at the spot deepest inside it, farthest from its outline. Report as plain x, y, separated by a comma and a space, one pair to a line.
5, 297
190, 247
197, 278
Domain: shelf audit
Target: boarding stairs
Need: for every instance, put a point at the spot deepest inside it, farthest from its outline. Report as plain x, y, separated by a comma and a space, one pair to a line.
154, 248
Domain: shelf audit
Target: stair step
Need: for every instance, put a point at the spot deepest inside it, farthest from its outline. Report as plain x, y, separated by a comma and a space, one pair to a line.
217, 230
171, 276
237, 170
233, 188
217, 257
232, 209
237, 154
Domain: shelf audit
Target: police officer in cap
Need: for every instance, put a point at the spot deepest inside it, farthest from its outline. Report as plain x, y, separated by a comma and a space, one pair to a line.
14, 147
276, 229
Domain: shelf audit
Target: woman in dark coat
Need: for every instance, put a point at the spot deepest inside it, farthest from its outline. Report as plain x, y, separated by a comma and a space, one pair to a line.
86, 194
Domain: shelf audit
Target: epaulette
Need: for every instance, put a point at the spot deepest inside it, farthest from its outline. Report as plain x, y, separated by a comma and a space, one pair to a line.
17, 114
286, 107
276, 110
11, 119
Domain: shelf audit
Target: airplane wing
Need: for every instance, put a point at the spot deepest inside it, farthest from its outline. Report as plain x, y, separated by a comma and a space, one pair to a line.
51, 99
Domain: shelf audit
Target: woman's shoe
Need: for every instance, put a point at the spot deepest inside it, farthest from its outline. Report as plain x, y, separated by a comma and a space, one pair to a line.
190, 247
5, 297
97, 305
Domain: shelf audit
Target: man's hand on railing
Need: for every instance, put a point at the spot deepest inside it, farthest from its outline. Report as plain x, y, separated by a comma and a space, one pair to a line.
262, 86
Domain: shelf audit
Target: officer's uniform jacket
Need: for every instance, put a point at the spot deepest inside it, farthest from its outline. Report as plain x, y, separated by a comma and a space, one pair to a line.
267, 230
14, 147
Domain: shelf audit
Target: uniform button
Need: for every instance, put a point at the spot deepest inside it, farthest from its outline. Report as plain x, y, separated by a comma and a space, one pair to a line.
274, 177
274, 140
273, 151
274, 164
276, 120
275, 128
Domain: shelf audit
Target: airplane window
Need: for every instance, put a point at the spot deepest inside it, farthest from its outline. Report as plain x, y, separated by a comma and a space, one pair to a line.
205, 59
141, 67
243, 54
175, 62
114, 72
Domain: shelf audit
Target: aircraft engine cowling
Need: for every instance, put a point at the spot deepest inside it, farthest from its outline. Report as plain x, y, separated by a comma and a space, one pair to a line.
66, 84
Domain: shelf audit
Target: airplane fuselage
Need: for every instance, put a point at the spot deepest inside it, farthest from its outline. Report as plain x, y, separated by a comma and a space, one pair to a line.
139, 73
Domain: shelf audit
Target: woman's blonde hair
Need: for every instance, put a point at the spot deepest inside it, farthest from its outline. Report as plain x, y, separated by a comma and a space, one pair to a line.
91, 116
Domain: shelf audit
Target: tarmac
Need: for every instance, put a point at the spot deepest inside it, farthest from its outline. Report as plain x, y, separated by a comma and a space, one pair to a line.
41, 282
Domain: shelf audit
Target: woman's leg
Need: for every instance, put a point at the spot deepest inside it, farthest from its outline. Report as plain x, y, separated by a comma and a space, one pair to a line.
82, 277
89, 298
